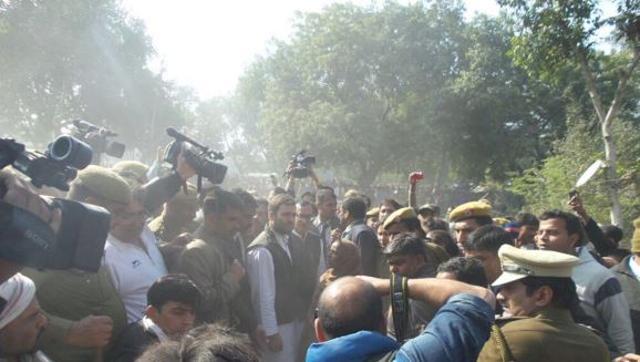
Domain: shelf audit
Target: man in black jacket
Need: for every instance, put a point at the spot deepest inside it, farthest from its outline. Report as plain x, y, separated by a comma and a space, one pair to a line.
352, 213
170, 314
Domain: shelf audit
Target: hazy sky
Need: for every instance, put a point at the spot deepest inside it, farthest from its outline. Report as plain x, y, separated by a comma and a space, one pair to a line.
206, 44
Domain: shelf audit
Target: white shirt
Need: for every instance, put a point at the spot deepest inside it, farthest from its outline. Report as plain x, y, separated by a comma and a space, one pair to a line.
263, 284
635, 268
133, 270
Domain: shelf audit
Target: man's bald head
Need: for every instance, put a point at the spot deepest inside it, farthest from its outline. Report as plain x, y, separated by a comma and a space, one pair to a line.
349, 305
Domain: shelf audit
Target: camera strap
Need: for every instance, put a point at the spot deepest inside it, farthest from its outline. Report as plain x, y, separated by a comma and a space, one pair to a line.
399, 306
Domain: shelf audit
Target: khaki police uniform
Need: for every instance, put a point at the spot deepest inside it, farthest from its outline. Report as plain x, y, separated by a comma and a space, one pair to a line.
548, 335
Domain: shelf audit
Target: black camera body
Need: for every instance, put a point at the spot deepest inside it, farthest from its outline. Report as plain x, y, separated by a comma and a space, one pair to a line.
201, 158
28, 240
301, 163
55, 167
99, 138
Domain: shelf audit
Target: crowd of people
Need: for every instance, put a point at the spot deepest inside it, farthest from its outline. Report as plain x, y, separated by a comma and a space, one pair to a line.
218, 274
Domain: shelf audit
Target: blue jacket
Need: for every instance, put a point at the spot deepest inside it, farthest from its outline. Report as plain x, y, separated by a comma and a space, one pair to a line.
457, 333
353, 347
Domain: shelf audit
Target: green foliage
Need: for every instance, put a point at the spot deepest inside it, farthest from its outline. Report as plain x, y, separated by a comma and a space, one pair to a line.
64, 60
547, 186
372, 90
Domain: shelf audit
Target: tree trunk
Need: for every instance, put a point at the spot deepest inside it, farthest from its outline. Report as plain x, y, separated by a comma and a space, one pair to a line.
612, 183
605, 120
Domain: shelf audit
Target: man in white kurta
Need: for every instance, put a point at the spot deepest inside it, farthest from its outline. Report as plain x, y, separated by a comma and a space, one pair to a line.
266, 269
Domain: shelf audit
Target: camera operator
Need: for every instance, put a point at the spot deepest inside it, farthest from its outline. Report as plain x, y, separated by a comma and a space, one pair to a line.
84, 309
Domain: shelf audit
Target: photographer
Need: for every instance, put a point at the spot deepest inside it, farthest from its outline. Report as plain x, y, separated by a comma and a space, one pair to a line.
84, 309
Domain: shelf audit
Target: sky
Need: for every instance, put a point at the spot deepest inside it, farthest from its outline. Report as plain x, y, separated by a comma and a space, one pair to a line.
207, 44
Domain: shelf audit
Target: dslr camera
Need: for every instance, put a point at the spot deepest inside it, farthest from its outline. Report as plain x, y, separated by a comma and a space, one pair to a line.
301, 164
99, 138
24, 237
200, 157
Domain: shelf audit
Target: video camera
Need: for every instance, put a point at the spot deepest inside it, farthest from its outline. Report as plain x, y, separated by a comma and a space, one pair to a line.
98, 137
200, 157
28, 240
301, 164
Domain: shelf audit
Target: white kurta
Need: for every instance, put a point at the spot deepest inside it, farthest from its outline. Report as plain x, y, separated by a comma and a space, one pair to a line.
263, 296
133, 270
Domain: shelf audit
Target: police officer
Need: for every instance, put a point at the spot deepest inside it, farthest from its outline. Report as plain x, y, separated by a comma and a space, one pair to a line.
468, 217
536, 290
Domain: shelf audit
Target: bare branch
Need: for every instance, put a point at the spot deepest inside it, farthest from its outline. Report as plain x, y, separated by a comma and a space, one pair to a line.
621, 89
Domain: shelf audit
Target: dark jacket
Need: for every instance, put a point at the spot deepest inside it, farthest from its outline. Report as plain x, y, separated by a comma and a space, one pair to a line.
311, 244
631, 289
367, 239
207, 261
133, 341
603, 245
294, 280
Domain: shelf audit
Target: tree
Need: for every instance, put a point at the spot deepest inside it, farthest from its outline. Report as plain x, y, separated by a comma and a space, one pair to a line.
555, 35
63, 60
377, 90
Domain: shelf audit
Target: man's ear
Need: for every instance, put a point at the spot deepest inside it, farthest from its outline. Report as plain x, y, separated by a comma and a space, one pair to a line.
543, 296
317, 327
573, 239
152, 313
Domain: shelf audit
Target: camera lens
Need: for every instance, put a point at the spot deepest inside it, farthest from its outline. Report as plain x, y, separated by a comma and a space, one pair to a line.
71, 151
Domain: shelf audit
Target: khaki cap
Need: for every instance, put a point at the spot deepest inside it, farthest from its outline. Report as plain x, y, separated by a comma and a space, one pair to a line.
469, 210
373, 212
104, 183
134, 172
521, 263
399, 215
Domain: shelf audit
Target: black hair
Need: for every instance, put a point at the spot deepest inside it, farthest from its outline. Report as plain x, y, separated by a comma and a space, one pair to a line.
207, 343
363, 314
466, 270
412, 224
436, 223
488, 238
572, 222
564, 290
445, 240
406, 244
280, 200
613, 232
356, 207
483, 220
248, 201
525, 218
220, 201
395, 204
173, 288
324, 194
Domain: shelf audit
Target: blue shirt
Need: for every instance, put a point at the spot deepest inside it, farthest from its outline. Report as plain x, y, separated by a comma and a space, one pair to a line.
457, 333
